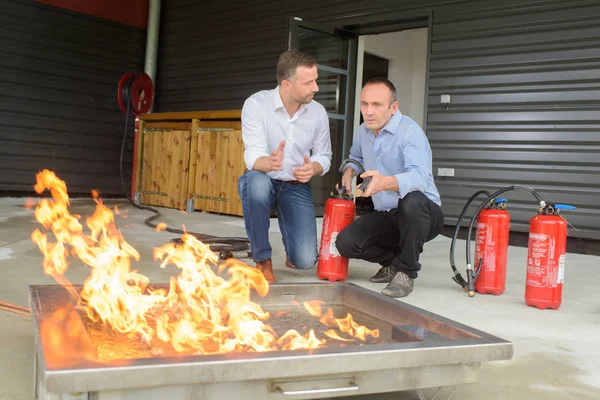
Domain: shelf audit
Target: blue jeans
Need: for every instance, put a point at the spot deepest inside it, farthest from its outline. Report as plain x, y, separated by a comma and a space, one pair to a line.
293, 204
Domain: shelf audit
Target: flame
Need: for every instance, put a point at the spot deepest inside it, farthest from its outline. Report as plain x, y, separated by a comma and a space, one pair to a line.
119, 213
161, 227
29, 203
346, 325
200, 313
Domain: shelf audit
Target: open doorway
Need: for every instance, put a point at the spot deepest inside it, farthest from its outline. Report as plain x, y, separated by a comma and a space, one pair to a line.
373, 67
402, 58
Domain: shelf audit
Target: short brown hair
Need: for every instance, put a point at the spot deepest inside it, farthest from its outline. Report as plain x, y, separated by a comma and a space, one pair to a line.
386, 82
289, 61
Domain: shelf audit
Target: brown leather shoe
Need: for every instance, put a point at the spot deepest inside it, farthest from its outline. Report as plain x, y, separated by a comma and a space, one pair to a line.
267, 270
289, 264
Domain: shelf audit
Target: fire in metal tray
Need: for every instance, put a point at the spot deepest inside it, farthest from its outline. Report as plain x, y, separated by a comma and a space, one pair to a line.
200, 312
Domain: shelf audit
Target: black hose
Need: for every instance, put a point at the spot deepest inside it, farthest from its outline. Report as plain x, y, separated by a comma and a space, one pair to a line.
216, 243
357, 164
361, 170
457, 276
470, 275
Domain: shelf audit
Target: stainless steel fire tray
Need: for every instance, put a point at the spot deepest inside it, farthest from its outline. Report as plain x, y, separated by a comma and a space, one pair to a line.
417, 350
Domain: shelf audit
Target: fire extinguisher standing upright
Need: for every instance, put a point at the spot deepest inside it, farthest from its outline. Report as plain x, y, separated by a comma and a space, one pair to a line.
546, 257
340, 211
491, 248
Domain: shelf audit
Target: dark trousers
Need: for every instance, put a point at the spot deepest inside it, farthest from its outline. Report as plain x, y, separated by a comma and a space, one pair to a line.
395, 237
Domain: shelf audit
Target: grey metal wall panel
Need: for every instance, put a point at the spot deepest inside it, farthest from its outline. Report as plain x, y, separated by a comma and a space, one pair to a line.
524, 78
214, 54
58, 81
525, 87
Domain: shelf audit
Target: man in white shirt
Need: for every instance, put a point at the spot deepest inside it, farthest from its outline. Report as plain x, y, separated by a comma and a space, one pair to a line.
287, 142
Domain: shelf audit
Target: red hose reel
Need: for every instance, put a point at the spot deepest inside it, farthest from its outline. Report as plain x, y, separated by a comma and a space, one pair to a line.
138, 89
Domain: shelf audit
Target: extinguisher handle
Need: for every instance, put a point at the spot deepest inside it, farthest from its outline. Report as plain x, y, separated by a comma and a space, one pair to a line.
564, 207
500, 200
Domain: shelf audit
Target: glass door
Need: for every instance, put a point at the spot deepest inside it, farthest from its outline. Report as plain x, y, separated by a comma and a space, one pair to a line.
335, 51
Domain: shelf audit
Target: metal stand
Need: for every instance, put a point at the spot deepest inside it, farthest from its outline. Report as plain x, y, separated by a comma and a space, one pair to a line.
423, 397
189, 206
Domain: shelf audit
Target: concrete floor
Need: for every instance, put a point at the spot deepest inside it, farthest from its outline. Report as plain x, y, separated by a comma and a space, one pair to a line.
557, 353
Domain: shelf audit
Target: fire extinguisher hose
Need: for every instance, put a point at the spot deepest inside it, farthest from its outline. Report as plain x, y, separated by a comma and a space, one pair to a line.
457, 276
470, 274
361, 170
357, 164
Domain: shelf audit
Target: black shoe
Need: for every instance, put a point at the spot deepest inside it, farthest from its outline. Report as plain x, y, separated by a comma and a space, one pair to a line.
401, 286
384, 275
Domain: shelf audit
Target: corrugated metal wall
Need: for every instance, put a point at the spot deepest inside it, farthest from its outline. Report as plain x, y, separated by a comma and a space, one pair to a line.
58, 82
214, 54
524, 78
525, 107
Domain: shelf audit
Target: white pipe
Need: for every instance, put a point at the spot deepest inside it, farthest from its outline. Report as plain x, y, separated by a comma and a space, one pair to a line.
152, 40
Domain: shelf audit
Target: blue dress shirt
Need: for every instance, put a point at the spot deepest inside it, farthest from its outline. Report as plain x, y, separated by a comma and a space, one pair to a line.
401, 149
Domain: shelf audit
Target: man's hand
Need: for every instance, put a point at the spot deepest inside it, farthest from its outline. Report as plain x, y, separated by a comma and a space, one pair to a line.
304, 172
276, 158
347, 178
378, 183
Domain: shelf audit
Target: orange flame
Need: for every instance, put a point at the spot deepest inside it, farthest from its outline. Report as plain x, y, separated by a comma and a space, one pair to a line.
200, 313
29, 203
161, 227
119, 213
346, 325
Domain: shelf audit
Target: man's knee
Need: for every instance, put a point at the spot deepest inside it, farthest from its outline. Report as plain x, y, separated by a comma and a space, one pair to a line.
412, 204
344, 243
305, 258
255, 186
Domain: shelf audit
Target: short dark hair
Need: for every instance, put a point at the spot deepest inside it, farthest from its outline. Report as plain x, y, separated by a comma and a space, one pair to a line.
289, 61
386, 82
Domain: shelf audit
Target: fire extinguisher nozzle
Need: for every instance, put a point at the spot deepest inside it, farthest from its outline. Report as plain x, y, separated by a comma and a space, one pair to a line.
461, 281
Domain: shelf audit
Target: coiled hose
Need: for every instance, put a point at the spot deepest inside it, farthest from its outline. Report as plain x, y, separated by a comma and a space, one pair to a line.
224, 245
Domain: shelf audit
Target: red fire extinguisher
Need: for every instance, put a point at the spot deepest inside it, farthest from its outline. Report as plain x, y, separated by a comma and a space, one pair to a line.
491, 248
546, 257
340, 211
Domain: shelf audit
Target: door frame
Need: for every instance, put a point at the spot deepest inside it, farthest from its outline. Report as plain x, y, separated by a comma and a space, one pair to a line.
294, 23
377, 23
395, 22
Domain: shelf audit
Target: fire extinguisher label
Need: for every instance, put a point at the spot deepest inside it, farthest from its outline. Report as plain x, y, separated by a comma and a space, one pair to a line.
561, 269
538, 268
332, 249
484, 248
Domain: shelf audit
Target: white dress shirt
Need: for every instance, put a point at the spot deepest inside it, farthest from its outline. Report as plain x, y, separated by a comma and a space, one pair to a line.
265, 123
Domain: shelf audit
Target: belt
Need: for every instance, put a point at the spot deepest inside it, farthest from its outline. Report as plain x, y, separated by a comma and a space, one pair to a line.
295, 182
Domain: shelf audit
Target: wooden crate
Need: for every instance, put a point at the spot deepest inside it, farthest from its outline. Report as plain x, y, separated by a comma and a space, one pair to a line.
195, 156
220, 162
165, 162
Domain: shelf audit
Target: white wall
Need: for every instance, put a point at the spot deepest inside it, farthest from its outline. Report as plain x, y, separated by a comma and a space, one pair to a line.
407, 52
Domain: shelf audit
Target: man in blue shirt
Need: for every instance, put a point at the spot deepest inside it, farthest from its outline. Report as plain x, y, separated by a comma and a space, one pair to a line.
395, 153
